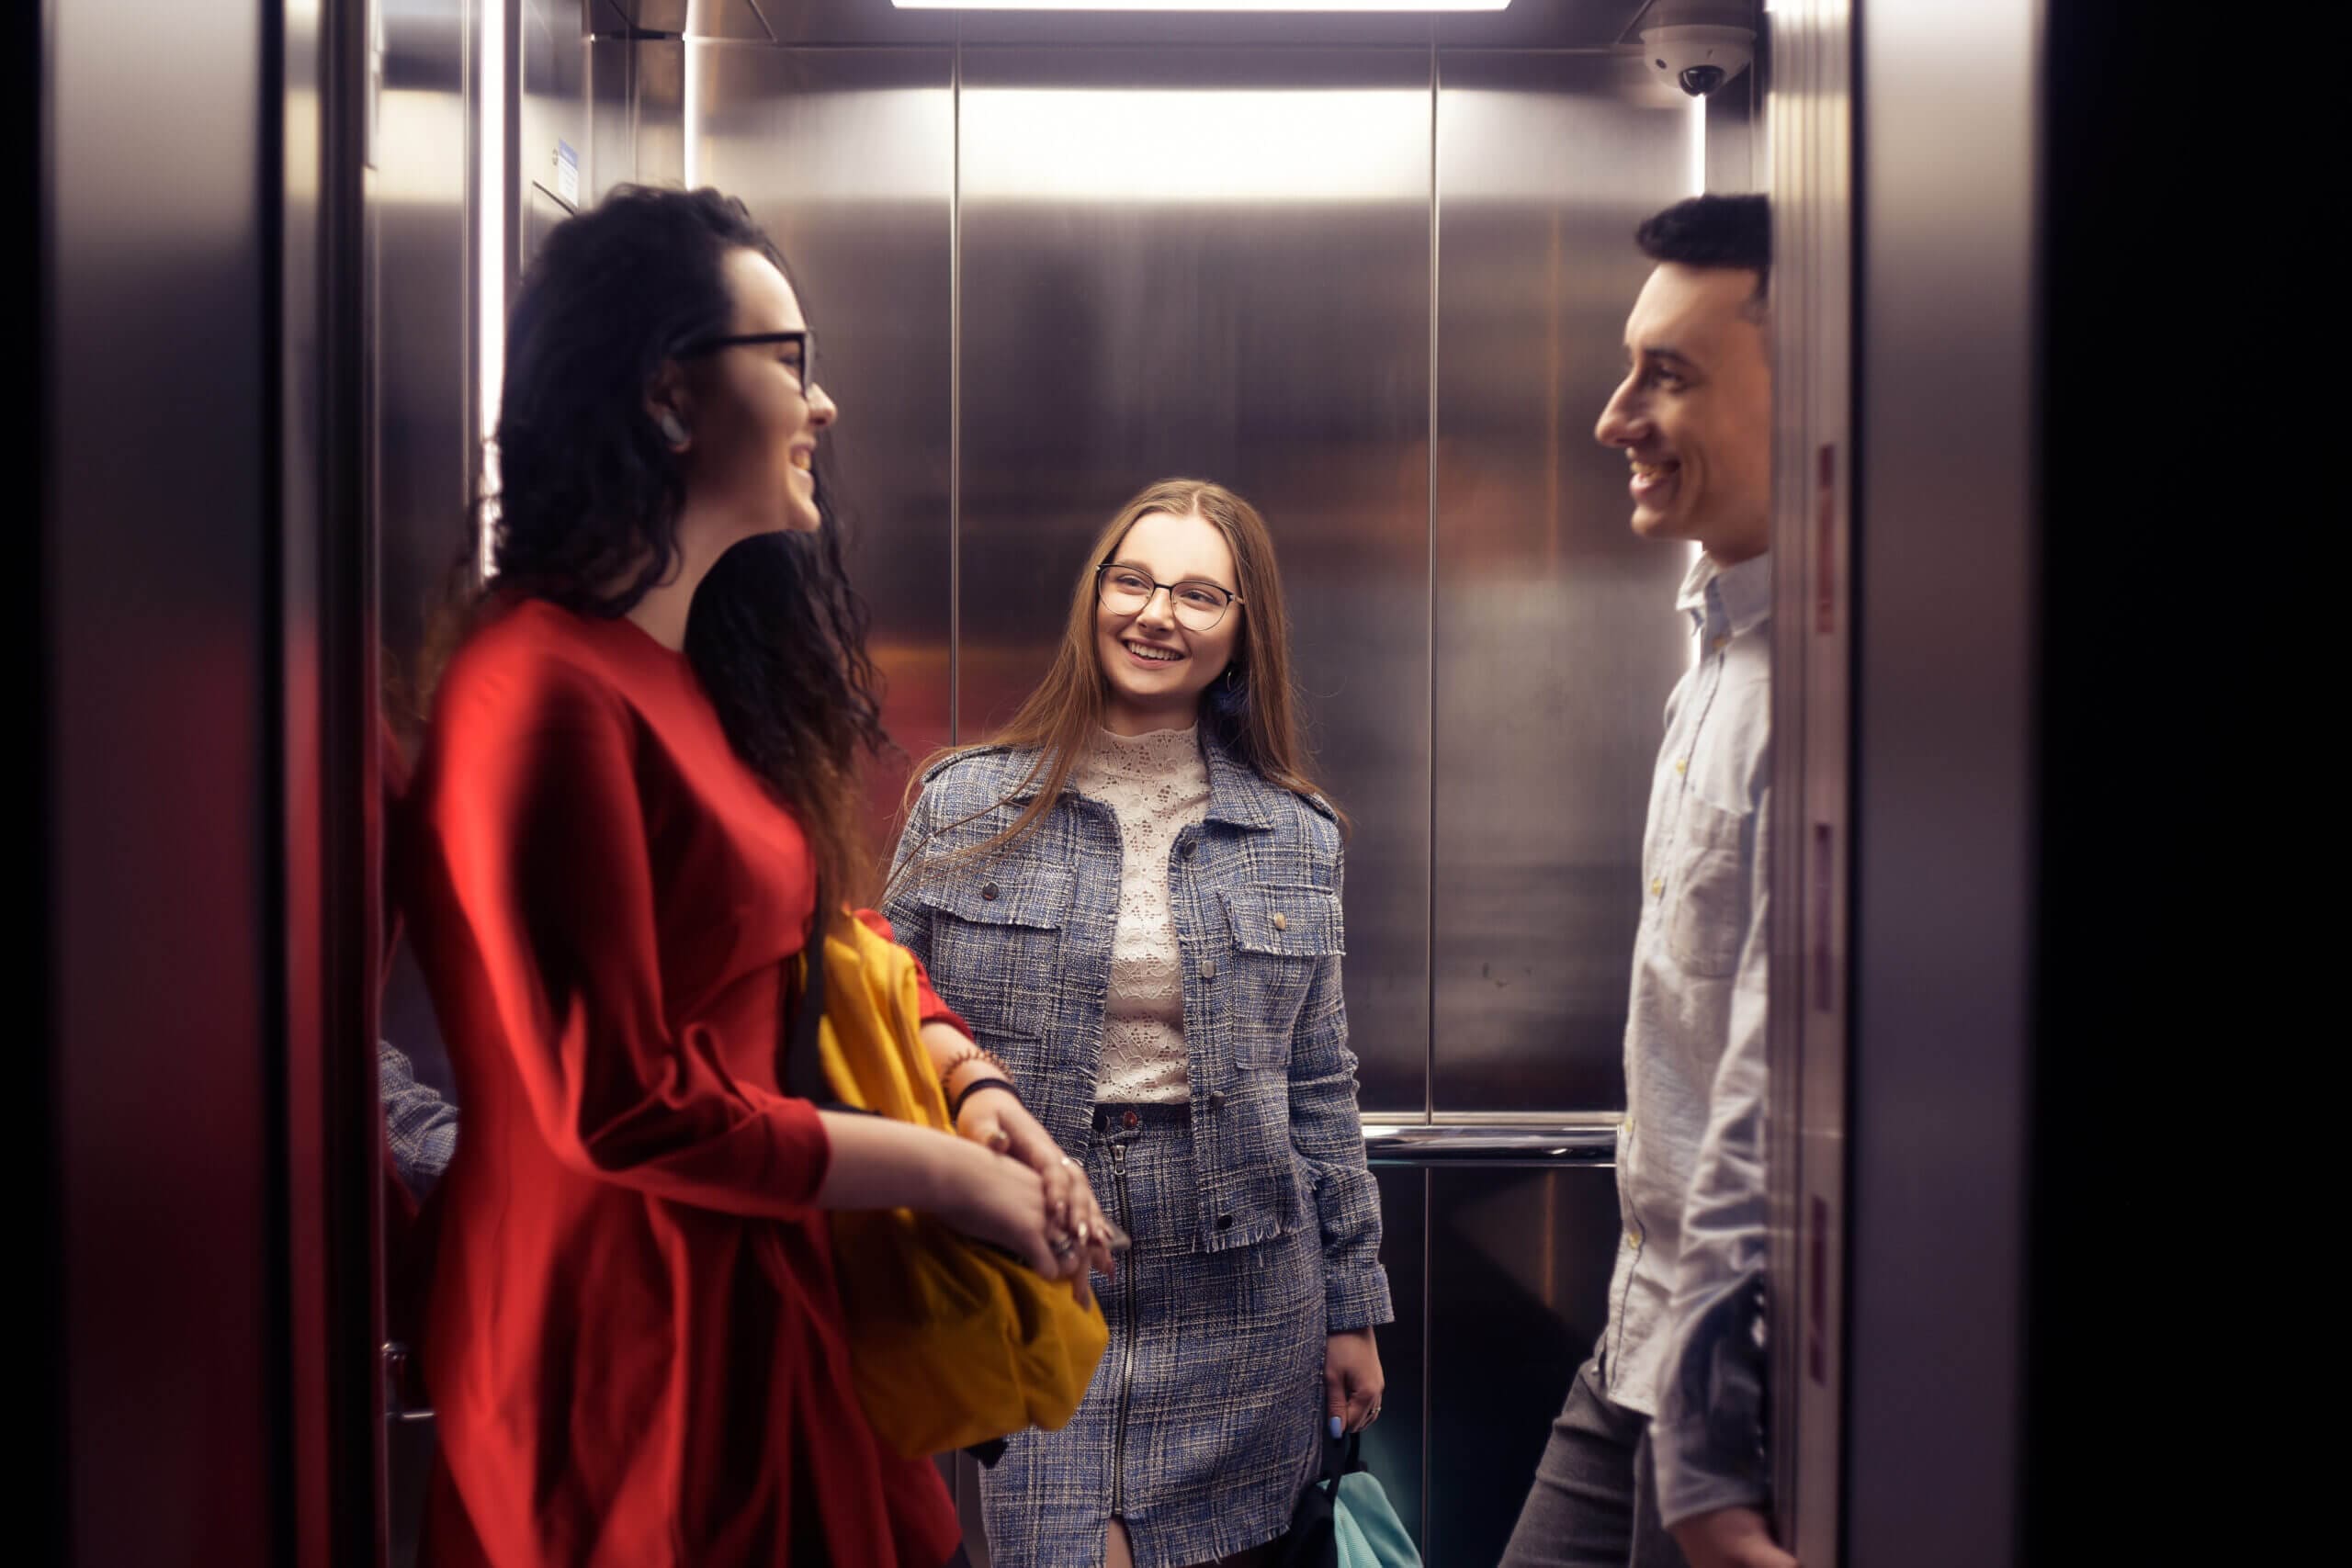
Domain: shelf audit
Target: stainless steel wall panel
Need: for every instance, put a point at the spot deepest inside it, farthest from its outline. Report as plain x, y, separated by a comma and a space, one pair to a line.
1396, 1448
658, 90
552, 114
1557, 638
424, 454
848, 157
1517, 1288
1216, 264
612, 115
1946, 880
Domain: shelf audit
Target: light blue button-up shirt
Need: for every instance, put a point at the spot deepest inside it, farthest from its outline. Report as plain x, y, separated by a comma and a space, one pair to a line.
1683, 1340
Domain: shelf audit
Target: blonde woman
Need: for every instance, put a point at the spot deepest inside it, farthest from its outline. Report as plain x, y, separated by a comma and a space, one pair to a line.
1133, 897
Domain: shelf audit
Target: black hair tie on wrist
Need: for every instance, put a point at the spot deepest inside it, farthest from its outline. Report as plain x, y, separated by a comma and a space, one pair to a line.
955, 1110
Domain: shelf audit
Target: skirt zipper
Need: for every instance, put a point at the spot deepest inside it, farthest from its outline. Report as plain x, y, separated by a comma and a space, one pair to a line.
1127, 1356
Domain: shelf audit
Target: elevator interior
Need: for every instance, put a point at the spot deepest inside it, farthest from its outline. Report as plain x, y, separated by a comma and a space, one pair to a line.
1369, 271
1371, 274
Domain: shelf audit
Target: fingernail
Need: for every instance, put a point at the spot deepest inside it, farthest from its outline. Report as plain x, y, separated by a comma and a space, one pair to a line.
1335, 1425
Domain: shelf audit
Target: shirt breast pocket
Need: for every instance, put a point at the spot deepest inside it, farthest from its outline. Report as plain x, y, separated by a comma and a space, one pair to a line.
1707, 895
1281, 936
996, 939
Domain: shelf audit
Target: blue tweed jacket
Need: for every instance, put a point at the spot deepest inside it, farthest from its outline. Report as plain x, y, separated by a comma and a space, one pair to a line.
1020, 945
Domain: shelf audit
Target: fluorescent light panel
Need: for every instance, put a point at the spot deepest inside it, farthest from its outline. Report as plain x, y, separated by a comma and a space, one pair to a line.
1259, 5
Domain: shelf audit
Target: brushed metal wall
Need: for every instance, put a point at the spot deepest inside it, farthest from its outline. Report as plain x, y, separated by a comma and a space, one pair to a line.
848, 157
1051, 275
1556, 640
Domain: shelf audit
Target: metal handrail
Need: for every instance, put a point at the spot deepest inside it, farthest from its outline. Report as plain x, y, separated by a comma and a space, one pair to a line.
1582, 1141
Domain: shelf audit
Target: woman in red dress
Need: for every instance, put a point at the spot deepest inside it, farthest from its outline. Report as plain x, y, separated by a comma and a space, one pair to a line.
641, 767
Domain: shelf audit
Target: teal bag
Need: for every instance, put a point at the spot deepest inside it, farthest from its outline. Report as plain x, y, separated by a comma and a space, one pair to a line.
1371, 1535
1343, 1519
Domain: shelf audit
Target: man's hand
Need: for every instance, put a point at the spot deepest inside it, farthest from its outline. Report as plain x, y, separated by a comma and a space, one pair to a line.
1730, 1537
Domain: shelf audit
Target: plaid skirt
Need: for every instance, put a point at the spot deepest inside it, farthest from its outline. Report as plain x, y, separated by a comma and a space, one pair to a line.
1200, 1429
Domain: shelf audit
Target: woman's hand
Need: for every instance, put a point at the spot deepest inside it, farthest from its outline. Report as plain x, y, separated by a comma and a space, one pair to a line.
1352, 1379
996, 1198
995, 1119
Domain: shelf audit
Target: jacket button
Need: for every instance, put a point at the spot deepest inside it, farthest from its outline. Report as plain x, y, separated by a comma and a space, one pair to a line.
1216, 1099
1281, 924
987, 891
1208, 968
1184, 849
1225, 1221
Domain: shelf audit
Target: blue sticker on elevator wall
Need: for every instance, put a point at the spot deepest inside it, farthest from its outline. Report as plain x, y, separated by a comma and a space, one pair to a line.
567, 173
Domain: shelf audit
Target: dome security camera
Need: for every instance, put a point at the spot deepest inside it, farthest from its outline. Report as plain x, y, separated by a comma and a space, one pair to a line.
1697, 59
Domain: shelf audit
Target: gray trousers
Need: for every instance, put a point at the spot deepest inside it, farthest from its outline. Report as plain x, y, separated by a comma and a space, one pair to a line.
1594, 1503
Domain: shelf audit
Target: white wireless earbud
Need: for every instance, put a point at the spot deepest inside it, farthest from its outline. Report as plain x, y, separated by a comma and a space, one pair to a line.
672, 430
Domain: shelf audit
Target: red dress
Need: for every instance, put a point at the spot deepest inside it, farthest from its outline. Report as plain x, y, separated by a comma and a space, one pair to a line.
635, 1345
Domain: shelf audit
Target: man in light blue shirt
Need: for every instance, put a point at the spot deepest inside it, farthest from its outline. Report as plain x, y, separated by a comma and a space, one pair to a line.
1658, 1457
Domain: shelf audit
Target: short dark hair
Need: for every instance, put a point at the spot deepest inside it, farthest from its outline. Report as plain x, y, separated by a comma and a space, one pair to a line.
1714, 230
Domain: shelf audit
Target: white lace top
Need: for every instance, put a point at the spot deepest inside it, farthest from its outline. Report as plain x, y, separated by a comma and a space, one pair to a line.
1156, 785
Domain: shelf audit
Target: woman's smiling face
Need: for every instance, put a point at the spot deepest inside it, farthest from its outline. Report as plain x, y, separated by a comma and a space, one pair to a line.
1155, 665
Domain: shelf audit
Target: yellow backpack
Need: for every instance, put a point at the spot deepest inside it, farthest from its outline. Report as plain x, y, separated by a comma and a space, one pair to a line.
953, 1343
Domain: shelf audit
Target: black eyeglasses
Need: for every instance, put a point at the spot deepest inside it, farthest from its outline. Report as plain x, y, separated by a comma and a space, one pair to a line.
805, 366
1126, 588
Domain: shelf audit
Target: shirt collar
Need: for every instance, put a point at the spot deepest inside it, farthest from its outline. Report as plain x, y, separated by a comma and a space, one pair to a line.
1728, 600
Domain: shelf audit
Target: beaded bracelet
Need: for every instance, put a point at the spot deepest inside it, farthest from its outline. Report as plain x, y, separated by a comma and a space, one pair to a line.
955, 1109
974, 1053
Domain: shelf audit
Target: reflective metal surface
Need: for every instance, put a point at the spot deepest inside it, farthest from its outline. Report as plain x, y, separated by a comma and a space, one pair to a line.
551, 122
424, 460
425, 455
1216, 264
200, 650
847, 158
1493, 1142
1518, 1287
1397, 1447
1947, 242
1557, 638
1812, 553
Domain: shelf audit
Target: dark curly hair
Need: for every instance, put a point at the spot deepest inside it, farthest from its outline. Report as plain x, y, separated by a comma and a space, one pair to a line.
1714, 230
590, 495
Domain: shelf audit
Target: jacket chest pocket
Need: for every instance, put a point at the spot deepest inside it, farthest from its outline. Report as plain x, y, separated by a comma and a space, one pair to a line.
996, 939
1706, 896
1281, 936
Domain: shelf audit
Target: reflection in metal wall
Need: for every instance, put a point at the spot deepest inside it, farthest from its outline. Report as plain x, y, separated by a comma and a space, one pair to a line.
848, 157
1216, 264
425, 472
1519, 1265
1557, 640
425, 456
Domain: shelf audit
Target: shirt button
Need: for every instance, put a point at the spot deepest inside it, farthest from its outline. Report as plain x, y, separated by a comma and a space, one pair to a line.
1216, 1099
1281, 924
1208, 968
987, 891
1657, 886
1682, 764
1633, 1239
1225, 1221
1721, 643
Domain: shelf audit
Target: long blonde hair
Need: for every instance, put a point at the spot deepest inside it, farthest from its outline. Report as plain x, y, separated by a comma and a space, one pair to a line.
1250, 709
